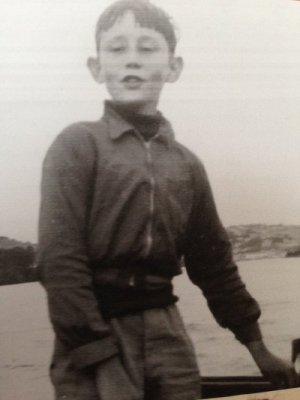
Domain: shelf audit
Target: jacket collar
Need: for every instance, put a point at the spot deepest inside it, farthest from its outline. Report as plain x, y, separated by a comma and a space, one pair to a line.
118, 126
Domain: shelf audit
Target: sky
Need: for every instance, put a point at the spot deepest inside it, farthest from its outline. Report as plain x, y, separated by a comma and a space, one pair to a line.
236, 105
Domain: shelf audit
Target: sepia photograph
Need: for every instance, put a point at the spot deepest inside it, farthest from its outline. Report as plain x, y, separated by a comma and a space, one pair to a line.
150, 199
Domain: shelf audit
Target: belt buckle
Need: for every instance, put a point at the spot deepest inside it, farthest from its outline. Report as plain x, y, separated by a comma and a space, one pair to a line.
132, 281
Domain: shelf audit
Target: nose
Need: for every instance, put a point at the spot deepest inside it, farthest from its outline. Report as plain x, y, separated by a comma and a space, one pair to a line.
133, 65
133, 60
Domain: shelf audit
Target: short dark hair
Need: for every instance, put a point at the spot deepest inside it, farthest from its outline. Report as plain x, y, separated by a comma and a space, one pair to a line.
146, 14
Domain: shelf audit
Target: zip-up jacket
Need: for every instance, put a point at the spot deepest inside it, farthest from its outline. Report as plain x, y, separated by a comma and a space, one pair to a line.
117, 207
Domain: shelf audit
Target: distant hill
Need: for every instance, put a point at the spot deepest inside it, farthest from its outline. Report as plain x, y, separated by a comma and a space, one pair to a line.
264, 241
17, 261
7, 243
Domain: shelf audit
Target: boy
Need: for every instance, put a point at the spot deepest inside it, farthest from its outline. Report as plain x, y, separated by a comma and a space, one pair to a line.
122, 203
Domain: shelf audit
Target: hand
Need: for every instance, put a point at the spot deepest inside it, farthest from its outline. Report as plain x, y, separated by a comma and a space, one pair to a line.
113, 382
279, 372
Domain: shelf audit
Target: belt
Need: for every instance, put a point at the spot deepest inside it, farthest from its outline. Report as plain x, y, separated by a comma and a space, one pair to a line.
119, 278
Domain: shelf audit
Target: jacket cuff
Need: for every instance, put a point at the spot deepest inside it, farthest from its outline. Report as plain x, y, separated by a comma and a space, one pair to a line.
248, 333
94, 352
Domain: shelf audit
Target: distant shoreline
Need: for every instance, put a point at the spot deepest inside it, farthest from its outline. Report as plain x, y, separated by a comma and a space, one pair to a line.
259, 241
249, 242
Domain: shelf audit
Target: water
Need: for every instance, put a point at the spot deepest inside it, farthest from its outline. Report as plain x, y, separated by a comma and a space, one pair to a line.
275, 284
26, 336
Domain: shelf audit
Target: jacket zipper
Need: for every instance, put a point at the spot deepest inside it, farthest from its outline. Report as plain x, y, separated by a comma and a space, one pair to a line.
149, 159
149, 237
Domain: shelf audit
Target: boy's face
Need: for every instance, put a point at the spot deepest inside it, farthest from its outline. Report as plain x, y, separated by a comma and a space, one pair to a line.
134, 63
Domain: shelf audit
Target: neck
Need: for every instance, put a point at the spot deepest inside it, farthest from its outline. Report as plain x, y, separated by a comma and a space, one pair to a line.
146, 124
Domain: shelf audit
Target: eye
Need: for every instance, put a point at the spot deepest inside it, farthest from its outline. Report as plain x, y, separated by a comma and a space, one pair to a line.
147, 45
147, 49
116, 48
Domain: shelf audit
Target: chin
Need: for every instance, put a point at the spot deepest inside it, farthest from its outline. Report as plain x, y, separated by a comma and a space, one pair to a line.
131, 98
132, 103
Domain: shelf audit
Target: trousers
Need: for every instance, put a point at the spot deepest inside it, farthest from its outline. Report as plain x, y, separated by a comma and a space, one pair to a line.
155, 351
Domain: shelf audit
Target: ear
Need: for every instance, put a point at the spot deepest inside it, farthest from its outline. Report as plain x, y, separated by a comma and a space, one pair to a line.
176, 66
93, 65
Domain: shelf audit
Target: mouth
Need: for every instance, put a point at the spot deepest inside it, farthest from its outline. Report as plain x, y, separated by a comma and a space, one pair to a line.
132, 79
132, 82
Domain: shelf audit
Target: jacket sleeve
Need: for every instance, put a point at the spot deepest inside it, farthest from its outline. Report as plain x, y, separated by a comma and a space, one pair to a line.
209, 264
63, 261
